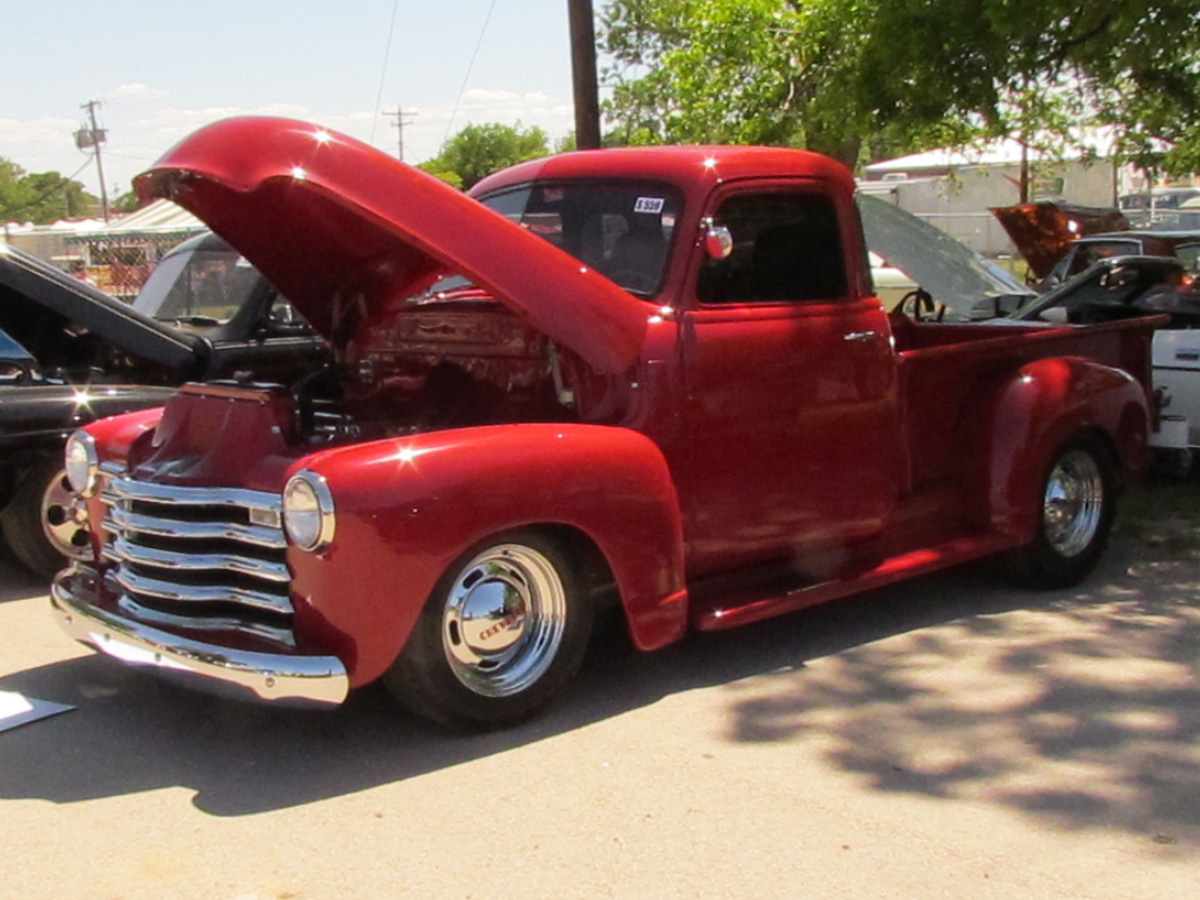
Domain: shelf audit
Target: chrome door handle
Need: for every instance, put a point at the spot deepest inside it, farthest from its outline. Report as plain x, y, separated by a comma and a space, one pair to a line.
861, 336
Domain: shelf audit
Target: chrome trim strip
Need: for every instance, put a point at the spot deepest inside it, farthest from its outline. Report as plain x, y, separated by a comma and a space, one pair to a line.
185, 593
130, 606
269, 676
128, 489
259, 535
124, 550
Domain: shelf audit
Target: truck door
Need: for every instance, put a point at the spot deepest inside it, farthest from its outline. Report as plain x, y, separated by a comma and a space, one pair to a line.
793, 438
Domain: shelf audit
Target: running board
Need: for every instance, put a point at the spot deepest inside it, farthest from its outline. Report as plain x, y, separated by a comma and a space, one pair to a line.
731, 610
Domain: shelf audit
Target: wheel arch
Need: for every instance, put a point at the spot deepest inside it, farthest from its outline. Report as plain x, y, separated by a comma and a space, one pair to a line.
1047, 403
408, 508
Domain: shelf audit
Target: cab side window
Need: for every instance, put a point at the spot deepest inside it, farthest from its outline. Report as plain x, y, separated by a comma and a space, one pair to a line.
786, 247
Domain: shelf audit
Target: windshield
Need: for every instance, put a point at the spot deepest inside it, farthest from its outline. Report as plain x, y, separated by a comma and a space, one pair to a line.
622, 229
1120, 287
200, 286
1088, 253
15, 362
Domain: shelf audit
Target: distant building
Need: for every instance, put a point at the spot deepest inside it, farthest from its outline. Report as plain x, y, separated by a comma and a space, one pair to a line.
954, 189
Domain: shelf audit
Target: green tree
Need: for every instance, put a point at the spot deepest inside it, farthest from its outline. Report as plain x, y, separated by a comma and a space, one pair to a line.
738, 72
16, 194
126, 203
840, 75
478, 150
40, 197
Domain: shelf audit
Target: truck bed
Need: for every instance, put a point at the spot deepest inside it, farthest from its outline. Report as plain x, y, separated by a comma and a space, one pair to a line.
948, 370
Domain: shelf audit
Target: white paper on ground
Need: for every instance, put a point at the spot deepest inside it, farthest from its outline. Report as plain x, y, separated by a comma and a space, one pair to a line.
17, 709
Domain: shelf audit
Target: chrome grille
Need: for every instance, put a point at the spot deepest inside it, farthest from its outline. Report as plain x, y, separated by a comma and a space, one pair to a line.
199, 558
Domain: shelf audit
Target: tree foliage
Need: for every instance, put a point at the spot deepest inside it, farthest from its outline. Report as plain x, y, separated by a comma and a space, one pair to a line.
899, 75
40, 198
478, 150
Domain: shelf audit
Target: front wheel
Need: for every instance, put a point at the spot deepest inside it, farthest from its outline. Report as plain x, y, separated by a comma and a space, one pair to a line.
504, 631
45, 524
1078, 502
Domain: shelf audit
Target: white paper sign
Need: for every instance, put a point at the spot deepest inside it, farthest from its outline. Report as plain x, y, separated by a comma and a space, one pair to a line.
17, 709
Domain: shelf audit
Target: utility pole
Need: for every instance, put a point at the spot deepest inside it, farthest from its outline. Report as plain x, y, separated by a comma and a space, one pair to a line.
402, 118
92, 138
583, 70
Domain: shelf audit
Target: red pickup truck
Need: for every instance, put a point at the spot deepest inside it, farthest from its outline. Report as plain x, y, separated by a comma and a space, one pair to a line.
653, 377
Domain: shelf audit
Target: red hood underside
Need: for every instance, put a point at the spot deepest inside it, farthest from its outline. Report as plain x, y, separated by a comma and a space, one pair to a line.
346, 232
1044, 231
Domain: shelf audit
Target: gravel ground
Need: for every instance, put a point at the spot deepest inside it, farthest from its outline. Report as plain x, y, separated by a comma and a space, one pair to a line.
947, 738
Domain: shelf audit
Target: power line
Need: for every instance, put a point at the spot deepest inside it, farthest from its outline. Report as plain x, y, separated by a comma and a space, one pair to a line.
387, 52
467, 74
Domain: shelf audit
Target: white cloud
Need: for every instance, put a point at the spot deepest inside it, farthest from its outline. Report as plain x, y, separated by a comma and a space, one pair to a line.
139, 133
136, 92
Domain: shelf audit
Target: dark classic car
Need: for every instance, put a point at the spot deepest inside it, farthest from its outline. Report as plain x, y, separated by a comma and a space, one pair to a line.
71, 354
1182, 245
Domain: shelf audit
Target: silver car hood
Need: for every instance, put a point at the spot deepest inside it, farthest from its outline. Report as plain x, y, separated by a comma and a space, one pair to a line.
953, 273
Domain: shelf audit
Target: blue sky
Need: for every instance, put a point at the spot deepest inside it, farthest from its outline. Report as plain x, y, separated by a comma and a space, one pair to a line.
163, 69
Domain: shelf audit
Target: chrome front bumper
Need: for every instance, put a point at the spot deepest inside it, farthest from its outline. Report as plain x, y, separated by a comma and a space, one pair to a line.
277, 677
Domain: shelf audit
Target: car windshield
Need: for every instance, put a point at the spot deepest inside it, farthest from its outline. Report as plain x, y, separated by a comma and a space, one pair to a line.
1091, 251
622, 229
1116, 288
201, 286
15, 361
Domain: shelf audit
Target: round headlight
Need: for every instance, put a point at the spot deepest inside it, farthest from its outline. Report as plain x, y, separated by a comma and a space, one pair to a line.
82, 463
308, 511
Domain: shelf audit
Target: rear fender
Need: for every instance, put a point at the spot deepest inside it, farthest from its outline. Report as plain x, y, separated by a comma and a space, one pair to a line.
408, 507
1047, 402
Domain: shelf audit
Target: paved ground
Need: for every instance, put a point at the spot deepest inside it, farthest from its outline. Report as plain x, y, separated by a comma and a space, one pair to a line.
951, 739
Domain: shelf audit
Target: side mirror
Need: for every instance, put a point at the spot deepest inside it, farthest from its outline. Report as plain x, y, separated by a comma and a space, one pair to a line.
718, 240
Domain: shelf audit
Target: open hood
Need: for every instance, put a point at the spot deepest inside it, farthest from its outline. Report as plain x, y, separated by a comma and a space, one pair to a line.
948, 269
26, 279
1044, 231
345, 232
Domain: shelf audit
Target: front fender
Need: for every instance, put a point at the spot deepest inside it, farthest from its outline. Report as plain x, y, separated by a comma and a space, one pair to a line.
1041, 407
408, 507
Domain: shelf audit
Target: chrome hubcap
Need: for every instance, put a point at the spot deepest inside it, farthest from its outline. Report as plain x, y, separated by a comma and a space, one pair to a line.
504, 619
1073, 503
65, 518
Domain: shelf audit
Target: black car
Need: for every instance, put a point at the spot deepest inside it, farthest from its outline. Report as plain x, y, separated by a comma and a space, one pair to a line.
71, 353
1086, 251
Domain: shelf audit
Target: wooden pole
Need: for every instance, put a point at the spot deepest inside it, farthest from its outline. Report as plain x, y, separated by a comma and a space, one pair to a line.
583, 70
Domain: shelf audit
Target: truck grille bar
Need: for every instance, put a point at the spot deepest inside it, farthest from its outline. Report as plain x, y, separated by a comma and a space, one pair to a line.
201, 558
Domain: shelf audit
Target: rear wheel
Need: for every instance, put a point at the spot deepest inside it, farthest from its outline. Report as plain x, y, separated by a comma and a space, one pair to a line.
502, 634
1078, 501
45, 525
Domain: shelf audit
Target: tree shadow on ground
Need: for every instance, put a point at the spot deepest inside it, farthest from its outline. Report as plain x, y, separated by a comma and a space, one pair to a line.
131, 732
1078, 707
1083, 710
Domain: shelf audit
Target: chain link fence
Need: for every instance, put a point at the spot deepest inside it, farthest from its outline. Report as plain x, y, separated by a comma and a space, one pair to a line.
117, 264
